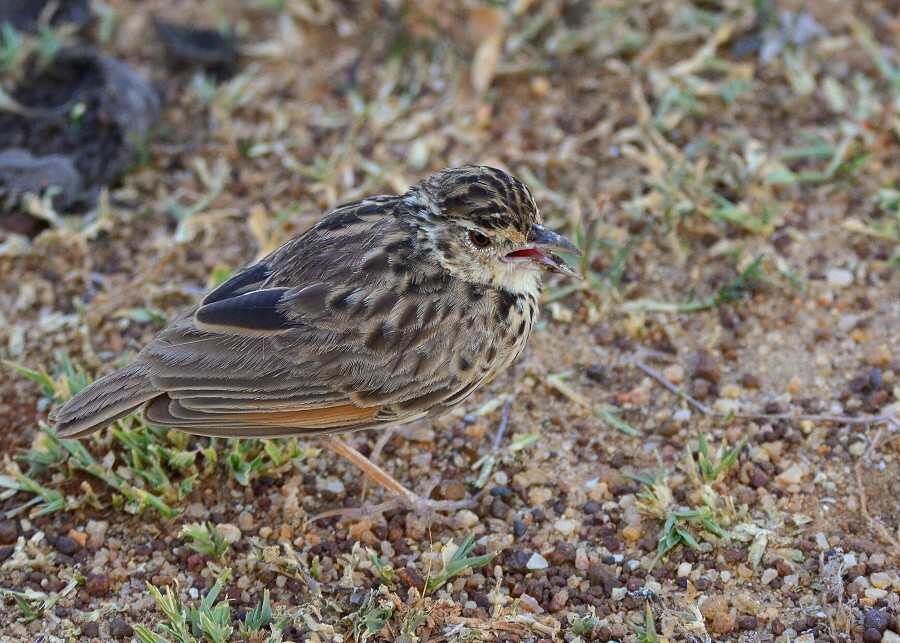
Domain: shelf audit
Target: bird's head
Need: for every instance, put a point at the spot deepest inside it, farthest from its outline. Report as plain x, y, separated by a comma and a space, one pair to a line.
484, 227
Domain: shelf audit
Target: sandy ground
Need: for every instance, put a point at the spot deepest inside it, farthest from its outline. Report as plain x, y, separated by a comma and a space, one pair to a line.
734, 177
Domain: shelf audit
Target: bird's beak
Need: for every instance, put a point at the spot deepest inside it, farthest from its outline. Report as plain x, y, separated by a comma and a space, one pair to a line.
539, 248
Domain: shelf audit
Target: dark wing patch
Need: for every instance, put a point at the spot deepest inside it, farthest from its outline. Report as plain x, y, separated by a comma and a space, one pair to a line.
245, 281
254, 312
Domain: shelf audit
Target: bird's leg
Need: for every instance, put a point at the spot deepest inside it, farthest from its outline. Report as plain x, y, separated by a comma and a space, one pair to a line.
384, 479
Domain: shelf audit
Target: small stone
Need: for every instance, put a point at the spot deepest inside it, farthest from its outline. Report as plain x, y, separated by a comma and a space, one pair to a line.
559, 601
706, 368
618, 593
890, 637
90, 630
768, 576
674, 374
682, 415
9, 532
78, 536
880, 580
67, 545
582, 563
120, 629
747, 623
838, 277
792, 475
229, 532
97, 585
537, 562
871, 635
96, 531
794, 386
874, 593
684, 570
466, 519
631, 533
529, 604
565, 526
715, 612
877, 619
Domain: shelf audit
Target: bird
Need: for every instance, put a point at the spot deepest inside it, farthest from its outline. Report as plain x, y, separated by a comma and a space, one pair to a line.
388, 310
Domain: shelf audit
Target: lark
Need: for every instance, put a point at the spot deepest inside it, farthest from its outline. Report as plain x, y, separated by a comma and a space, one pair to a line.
388, 310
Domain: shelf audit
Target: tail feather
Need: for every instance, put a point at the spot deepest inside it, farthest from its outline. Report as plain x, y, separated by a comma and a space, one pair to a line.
105, 401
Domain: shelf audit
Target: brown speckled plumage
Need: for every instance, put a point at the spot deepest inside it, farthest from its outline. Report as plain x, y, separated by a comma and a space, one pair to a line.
388, 310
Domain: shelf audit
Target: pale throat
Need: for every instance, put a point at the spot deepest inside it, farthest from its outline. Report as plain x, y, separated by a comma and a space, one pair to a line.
519, 280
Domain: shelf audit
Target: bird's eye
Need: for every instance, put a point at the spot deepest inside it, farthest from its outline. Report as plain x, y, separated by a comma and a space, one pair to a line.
480, 239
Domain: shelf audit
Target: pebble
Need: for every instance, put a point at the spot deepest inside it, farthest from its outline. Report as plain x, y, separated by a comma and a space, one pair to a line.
120, 629
706, 368
97, 585
565, 526
768, 576
880, 580
682, 415
684, 570
871, 635
229, 532
582, 563
96, 531
466, 519
876, 619
838, 277
67, 545
631, 533
792, 475
890, 637
9, 532
715, 612
794, 386
874, 593
537, 562
674, 374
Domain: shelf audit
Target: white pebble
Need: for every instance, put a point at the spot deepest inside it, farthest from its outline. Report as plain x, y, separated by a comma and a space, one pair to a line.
838, 277
466, 518
880, 580
874, 593
618, 593
768, 576
682, 415
684, 570
565, 526
537, 562
229, 532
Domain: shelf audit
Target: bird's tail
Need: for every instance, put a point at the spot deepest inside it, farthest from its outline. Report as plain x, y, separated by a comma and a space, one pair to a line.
105, 401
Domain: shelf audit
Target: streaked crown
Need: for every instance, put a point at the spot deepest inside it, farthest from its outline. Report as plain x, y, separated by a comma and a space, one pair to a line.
487, 196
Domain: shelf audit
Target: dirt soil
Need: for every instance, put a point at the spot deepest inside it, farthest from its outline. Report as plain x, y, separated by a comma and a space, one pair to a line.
735, 177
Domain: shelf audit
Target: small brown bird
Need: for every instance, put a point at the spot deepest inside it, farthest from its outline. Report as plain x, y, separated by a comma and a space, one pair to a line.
389, 310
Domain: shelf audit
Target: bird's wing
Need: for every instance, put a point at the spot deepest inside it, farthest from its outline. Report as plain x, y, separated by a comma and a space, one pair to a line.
341, 329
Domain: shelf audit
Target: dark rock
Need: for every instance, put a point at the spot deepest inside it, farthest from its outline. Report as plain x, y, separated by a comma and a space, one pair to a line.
871, 635
24, 15
516, 562
97, 585
876, 619
9, 532
519, 528
591, 507
747, 623
90, 630
207, 49
120, 629
67, 545
707, 368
